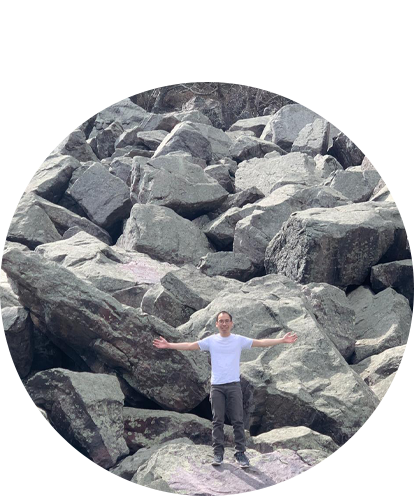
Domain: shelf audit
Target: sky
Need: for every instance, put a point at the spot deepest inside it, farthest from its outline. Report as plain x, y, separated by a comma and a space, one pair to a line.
224, 40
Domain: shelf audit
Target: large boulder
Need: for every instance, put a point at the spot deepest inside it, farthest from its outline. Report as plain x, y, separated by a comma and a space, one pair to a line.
164, 235
383, 321
352, 144
228, 264
265, 173
86, 409
26, 438
177, 183
397, 275
95, 328
387, 454
103, 144
306, 384
72, 478
104, 197
387, 155
15, 164
337, 245
247, 147
313, 138
254, 124
354, 183
76, 146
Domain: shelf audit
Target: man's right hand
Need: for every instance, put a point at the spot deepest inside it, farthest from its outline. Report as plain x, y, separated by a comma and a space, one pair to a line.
161, 343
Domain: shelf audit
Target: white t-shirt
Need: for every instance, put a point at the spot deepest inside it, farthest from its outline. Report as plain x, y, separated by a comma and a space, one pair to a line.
225, 356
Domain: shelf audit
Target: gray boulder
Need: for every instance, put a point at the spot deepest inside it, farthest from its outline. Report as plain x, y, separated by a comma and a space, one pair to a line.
265, 173
26, 440
221, 230
306, 384
183, 292
383, 321
177, 183
103, 144
397, 275
337, 245
254, 124
15, 164
164, 235
122, 167
387, 155
240, 199
313, 138
93, 327
326, 165
136, 138
76, 146
247, 147
352, 144
72, 478
356, 184
222, 174
104, 197
386, 454
86, 410
228, 264
209, 107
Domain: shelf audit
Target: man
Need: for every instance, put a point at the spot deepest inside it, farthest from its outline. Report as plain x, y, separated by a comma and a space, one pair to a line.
226, 394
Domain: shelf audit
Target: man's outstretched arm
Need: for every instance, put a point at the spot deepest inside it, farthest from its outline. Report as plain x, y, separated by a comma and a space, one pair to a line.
163, 343
290, 337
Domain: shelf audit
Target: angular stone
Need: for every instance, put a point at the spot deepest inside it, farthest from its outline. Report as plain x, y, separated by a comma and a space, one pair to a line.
387, 454
313, 138
106, 335
221, 173
221, 230
352, 144
326, 164
387, 155
228, 264
354, 183
240, 199
72, 478
164, 235
254, 124
305, 384
146, 428
15, 164
86, 410
247, 147
397, 275
26, 437
265, 172
337, 245
104, 141
383, 321
104, 197
176, 183
76, 146
18, 330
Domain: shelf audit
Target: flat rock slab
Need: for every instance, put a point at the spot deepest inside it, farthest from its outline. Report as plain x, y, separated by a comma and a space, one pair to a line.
188, 470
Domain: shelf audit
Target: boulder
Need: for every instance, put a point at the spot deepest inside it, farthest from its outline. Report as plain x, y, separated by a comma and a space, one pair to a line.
164, 235
240, 199
383, 321
210, 108
26, 438
86, 410
72, 478
222, 174
136, 138
352, 144
286, 124
121, 167
397, 275
265, 173
103, 144
326, 165
228, 264
76, 146
354, 183
263, 220
183, 292
247, 147
387, 155
94, 327
305, 384
254, 124
197, 476
145, 428
104, 197
337, 245
221, 230
313, 138
13, 139
179, 184
387, 454
15, 164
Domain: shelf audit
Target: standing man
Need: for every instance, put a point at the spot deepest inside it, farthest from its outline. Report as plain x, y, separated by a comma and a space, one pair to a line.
226, 394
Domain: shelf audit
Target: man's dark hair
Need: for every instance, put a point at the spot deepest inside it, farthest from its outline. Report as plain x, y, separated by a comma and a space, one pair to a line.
224, 311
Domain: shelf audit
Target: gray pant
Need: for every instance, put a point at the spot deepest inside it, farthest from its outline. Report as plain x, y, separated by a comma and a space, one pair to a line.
227, 398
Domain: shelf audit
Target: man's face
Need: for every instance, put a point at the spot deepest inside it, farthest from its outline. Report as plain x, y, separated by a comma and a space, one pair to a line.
224, 324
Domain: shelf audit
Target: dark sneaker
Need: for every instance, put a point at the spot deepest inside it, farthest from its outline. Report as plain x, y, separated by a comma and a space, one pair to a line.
218, 460
242, 459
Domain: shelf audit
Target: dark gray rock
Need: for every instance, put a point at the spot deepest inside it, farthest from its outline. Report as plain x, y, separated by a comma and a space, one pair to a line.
247, 147
76, 146
212, 109
104, 142
221, 230
228, 264
221, 173
397, 275
354, 183
345, 151
122, 167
